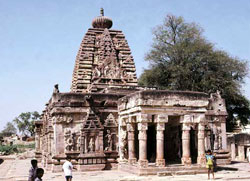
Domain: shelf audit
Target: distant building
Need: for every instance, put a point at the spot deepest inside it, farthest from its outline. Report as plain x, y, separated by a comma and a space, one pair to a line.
239, 142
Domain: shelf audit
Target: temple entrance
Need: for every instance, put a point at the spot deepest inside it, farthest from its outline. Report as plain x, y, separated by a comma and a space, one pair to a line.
173, 143
193, 145
151, 143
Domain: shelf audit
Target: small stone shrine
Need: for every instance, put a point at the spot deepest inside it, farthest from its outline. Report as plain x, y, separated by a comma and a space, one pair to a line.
108, 120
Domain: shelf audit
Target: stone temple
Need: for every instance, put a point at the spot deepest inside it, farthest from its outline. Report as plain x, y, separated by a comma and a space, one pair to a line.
107, 121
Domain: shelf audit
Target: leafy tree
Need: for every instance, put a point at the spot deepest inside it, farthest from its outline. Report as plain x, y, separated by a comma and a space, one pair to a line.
182, 59
8, 130
26, 122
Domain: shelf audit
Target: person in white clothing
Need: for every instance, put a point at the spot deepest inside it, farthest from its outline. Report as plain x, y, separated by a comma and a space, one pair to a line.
248, 156
67, 168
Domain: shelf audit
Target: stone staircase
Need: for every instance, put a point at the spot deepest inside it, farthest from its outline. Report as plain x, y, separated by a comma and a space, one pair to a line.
163, 171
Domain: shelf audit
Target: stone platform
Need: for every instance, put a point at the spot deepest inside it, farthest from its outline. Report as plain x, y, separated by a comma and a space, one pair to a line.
152, 169
17, 170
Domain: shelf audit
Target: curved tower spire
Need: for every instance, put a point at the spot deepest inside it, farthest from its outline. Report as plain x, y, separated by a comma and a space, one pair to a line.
104, 59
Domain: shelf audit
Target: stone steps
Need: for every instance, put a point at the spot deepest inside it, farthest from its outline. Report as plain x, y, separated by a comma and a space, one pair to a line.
183, 172
163, 171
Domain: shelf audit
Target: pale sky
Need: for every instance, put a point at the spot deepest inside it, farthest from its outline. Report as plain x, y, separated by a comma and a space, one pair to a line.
39, 40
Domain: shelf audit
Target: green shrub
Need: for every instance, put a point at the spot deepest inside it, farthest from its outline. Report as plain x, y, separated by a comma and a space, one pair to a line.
7, 149
11, 149
32, 145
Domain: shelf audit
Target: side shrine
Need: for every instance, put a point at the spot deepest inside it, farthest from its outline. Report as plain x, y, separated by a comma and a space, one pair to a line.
107, 120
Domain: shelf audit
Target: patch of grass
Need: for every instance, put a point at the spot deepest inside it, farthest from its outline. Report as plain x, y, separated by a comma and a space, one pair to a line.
32, 145
7, 149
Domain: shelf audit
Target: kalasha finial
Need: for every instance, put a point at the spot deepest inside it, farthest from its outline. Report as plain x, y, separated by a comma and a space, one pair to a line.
102, 21
102, 12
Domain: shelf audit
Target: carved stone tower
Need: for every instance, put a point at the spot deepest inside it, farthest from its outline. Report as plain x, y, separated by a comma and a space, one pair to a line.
104, 59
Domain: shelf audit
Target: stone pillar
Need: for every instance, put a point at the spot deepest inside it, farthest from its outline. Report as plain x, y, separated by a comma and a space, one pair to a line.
216, 137
131, 143
186, 159
201, 145
160, 161
233, 155
37, 140
224, 134
241, 155
86, 143
142, 127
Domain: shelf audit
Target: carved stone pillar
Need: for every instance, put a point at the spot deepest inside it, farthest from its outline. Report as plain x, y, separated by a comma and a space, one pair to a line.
131, 143
216, 138
186, 160
201, 145
160, 161
37, 140
86, 144
142, 127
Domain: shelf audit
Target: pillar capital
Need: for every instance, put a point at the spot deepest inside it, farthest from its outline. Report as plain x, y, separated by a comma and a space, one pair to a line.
162, 118
142, 118
160, 126
187, 119
186, 127
130, 127
142, 126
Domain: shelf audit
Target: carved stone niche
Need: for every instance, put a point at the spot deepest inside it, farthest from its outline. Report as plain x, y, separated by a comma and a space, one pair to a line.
111, 140
110, 133
91, 144
72, 141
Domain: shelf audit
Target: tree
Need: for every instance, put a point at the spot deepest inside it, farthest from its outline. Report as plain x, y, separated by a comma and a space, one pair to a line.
8, 130
182, 59
26, 122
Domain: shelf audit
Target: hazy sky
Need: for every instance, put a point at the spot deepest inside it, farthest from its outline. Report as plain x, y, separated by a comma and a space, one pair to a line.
39, 40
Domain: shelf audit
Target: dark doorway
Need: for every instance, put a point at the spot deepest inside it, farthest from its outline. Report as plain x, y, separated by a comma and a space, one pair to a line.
151, 143
193, 145
172, 141
245, 152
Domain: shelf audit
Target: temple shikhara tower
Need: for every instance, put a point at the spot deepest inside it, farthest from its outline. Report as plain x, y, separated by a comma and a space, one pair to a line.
107, 121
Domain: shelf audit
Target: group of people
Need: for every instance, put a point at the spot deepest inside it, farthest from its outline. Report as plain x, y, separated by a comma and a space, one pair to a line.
36, 174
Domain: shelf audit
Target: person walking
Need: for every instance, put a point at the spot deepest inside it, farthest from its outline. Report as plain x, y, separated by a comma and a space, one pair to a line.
248, 156
67, 168
210, 163
32, 171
